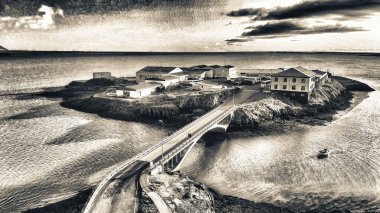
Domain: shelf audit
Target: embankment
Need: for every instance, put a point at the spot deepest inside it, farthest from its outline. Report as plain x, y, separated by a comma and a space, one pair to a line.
184, 107
328, 98
181, 194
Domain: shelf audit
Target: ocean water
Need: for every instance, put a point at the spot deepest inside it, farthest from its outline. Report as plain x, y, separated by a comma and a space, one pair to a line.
49, 152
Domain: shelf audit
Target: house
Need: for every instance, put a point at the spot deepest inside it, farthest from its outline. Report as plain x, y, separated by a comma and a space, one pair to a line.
227, 71
297, 83
101, 75
321, 77
164, 80
207, 69
138, 91
197, 73
157, 72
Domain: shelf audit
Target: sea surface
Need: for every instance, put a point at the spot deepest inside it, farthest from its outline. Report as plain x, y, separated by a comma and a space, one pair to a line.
48, 152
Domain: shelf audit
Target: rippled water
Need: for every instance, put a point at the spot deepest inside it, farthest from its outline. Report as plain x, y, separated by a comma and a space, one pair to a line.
48, 152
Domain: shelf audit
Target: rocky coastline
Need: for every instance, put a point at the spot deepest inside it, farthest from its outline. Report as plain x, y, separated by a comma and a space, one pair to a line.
181, 194
266, 116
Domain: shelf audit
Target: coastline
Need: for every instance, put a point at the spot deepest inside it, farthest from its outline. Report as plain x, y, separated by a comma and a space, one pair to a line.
269, 127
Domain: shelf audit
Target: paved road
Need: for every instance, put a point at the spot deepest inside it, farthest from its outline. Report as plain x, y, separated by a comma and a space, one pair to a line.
157, 200
107, 197
119, 193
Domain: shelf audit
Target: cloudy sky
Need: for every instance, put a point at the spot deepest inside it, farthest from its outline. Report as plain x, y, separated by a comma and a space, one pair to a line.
190, 25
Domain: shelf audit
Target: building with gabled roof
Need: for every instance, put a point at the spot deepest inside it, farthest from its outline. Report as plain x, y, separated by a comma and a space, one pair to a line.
296, 82
156, 72
321, 77
163, 80
138, 91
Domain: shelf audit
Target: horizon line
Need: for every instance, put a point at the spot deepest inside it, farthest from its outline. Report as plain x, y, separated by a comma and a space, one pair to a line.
80, 52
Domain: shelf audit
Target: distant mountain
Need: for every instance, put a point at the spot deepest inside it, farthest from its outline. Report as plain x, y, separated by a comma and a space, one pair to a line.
2, 48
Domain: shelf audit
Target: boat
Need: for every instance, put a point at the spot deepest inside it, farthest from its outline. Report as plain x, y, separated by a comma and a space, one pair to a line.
324, 153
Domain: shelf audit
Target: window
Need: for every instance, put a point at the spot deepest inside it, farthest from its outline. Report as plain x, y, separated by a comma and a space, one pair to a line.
302, 95
294, 80
285, 79
293, 94
284, 87
275, 86
303, 88
303, 81
275, 79
293, 87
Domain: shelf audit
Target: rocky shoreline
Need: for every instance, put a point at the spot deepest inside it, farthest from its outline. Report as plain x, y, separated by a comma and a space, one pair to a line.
266, 116
181, 194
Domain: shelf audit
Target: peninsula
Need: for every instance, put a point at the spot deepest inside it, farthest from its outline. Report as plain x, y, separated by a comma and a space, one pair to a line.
258, 99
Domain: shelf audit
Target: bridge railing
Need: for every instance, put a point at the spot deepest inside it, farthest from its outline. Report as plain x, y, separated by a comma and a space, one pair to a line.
190, 140
103, 184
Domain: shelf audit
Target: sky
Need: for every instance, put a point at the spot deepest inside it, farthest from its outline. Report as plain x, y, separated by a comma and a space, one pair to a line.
190, 25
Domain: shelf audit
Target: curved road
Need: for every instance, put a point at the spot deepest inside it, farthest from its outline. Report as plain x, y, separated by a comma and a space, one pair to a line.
108, 193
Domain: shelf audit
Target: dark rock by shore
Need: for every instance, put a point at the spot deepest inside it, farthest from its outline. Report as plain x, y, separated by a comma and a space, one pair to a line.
182, 194
328, 98
72, 205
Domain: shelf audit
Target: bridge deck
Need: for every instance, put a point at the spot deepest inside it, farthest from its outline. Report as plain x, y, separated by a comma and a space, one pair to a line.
195, 128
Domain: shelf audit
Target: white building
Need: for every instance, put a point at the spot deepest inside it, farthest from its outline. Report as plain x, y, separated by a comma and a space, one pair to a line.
157, 72
297, 83
164, 80
101, 75
321, 77
137, 91
229, 72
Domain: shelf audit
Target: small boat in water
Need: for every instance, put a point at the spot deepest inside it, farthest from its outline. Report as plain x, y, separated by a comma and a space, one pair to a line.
324, 153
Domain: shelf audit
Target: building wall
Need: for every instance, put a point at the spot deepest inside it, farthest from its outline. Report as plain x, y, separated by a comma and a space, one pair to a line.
101, 75
165, 83
198, 76
210, 74
297, 85
223, 72
141, 93
119, 93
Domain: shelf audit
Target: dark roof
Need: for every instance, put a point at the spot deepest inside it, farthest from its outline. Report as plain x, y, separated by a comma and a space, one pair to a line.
195, 70
162, 78
298, 72
2, 48
211, 66
153, 69
319, 72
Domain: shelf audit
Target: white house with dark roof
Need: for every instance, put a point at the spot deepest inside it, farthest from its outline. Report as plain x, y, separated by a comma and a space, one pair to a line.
229, 72
157, 72
137, 91
321, 77
163, 80
297, 83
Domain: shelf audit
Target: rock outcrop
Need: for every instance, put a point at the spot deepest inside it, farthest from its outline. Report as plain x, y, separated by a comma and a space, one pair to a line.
331, 96
186, 107
182, 194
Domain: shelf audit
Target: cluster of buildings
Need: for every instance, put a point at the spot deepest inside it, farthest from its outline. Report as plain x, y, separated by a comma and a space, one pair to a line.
297, 82
152, 77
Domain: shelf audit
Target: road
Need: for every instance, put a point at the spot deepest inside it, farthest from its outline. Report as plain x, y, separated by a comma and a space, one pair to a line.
118, 184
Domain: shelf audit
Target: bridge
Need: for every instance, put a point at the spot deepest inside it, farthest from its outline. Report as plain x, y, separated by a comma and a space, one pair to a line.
167, 155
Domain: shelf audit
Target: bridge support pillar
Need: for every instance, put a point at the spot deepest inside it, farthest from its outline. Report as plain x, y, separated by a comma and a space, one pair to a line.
158, 169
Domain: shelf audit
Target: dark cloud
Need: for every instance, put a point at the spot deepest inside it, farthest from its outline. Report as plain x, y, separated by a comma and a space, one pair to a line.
347, 8
288, 28
236, 40
248, 12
